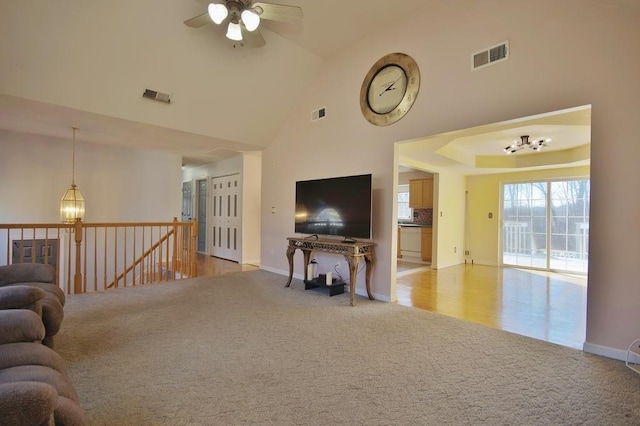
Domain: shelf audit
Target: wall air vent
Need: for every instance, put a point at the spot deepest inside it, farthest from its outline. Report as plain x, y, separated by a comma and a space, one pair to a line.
490, 56
157, 96
319, 114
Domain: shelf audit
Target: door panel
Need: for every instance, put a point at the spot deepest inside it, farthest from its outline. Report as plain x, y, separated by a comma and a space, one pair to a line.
226, 217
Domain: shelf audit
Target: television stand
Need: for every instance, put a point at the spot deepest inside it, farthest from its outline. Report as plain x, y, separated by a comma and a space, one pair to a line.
353, 252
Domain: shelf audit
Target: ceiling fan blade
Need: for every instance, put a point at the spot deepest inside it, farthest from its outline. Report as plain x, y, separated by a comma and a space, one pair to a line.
198, 21
278, 12
252, 38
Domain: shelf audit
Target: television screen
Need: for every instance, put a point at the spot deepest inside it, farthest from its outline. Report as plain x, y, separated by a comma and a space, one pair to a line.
338, 206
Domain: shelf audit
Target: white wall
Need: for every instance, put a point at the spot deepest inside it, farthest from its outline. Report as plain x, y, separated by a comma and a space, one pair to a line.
551, 67
251, 207
119, 184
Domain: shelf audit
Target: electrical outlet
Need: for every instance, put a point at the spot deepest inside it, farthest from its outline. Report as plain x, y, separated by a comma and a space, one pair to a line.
455, 249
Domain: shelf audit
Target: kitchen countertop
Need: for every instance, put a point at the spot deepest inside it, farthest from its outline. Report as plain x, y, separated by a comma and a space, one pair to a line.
414, 225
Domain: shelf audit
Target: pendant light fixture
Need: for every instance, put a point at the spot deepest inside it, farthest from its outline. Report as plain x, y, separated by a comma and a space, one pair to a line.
525, 142
72, 203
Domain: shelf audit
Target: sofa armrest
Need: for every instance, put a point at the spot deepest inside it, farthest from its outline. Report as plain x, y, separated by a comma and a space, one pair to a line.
20, 325
26, 272
21, 297
31, 403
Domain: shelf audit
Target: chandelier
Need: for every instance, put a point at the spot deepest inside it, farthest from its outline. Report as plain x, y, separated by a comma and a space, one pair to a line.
72, 203
238, 13
524, 142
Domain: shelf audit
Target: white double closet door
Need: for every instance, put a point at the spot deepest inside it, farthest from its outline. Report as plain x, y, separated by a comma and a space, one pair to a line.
226, 217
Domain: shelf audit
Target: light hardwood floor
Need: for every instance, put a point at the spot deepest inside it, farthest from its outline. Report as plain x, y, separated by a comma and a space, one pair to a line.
545, 306
542, 305
209, 265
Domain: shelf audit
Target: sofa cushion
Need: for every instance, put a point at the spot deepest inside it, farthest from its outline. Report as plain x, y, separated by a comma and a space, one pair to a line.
27, 403
52, 289
39, 373
52, 315
52, 311
30, 353
21, 297
20, 325
26, 272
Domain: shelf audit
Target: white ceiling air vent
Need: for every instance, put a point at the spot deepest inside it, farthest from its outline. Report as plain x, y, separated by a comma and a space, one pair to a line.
490, 56
319, 114
157, 96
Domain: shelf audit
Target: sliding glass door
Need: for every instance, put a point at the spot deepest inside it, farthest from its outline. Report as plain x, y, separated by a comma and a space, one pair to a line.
545, 225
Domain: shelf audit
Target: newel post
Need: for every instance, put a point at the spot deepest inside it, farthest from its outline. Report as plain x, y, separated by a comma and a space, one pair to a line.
77, 278
176, 236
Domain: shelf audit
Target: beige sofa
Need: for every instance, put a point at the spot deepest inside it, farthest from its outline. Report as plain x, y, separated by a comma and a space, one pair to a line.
43, 277
34, 386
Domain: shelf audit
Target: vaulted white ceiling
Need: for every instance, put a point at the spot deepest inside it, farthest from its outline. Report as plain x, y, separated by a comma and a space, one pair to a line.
82, 63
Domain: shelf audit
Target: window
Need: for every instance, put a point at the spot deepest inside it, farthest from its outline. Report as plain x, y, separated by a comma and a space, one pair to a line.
404, 211
546, 224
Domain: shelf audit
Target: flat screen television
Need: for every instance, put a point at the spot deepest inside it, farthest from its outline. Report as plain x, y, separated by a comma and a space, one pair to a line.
339, 206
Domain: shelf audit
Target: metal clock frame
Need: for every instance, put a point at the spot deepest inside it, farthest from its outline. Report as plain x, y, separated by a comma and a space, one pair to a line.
410, 68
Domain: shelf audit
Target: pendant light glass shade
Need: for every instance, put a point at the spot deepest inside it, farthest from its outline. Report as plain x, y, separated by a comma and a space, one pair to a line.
250, 19
234, 32
217, 12
72, 204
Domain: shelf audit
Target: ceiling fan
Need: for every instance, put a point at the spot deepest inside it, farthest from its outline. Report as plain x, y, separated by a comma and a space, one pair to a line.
243, 17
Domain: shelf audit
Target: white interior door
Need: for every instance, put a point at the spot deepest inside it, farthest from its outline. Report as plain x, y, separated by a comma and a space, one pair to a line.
226, 217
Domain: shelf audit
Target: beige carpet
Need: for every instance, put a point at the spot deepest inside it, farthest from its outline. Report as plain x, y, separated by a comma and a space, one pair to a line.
241, 349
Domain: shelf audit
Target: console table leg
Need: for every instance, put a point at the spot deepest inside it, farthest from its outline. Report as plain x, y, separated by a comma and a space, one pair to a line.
369, 262
290, 252
353, 277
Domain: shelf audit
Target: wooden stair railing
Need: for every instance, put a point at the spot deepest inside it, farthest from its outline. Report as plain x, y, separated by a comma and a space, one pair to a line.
142, 258
99, 256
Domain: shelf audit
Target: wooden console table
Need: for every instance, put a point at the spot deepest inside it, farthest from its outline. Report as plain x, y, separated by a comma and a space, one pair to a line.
352, 252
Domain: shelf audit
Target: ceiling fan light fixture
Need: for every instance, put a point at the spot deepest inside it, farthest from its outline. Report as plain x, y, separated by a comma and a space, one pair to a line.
250, 19
234, 32
217, 12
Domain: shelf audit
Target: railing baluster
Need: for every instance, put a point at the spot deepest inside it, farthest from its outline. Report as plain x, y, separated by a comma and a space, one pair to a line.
155, 252
104, 267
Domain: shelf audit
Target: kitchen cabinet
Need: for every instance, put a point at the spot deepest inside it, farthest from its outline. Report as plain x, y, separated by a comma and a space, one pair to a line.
427, 238
421, 193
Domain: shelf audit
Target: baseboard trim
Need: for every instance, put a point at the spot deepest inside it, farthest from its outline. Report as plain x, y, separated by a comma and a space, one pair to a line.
281, 272
613, 353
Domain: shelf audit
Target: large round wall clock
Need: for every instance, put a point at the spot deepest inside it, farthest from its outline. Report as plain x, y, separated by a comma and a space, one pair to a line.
389, 89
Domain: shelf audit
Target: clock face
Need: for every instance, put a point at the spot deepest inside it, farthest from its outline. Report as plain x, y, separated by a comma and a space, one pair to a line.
387, 89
